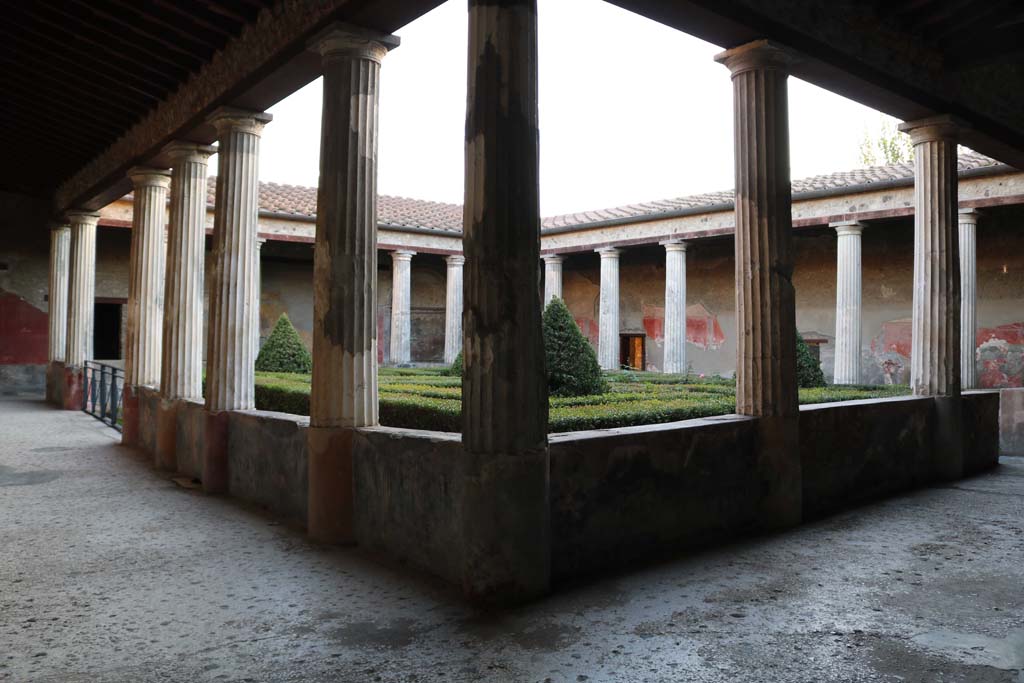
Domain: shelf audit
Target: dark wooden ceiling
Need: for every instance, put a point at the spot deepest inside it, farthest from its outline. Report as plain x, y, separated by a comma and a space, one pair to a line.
76, 74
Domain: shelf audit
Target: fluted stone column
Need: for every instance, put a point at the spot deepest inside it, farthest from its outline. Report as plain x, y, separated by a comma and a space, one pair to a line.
608, 332
453, 308
229, 346
766, 384
848, 302
505, 547
57, 305
144, 330
181, 368
344, 392
935, 322
552, 277
81, 304
401, 303
675, 307
968, 298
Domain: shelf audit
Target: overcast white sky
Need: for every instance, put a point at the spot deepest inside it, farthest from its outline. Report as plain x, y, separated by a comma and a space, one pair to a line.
630, 110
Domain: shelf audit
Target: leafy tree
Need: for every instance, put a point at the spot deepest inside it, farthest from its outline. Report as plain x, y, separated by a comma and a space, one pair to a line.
573, 369
808, 370
284, 351
888, 146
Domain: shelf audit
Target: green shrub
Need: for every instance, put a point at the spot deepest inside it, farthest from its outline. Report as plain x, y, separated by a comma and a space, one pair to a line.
284, 351
572, 365
456, 368
808, 370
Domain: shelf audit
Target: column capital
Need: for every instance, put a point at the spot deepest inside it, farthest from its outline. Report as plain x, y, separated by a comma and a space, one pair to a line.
674, 245
354, 42
82, 217
455, 259
227, 119
552, 258
609, 252
933, 129
402, 255
968, 216
759, 54
848, 227
144, 176
180, 151
260, 241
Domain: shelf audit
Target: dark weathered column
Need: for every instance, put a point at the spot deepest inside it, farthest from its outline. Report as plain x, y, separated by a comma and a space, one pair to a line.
144, 331
181, 370
765, 309
935, 322
504, 386
81, 302
344, 394
57, 306
230, 379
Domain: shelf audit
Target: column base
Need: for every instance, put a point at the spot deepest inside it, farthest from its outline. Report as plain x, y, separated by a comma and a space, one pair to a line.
506, 528
948, 437
55, 382
165, 455
130, 416
215, 452
74, 387
331, 498
778, 464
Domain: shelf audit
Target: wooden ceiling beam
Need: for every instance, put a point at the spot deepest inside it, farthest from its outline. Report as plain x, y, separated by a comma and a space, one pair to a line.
147, 34
194, 31
192, 14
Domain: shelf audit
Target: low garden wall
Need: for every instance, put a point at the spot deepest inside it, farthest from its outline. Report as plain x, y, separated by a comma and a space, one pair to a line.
188, 440
407, 486
620, 495
981, 430
1011, 421
268, 461
149, 404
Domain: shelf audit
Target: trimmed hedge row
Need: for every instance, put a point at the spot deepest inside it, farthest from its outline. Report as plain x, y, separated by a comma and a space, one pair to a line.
417, 398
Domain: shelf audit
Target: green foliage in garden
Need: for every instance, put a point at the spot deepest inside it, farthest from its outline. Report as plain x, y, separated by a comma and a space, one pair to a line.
456, 367
426, 398
572, 365
808, 370
284, 351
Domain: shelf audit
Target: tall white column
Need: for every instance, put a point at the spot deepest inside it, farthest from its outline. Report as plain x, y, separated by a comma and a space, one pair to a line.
344, 391
60, 250
401, 302
181, 372
608, 339
968, 298
935, 345
257, 289
848, 302
229, 347
230, 365
675, 307
453, 308
552, 277
144, 332
82, 287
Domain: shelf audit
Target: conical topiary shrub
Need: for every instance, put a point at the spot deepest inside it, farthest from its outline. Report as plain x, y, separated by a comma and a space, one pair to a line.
284, 351
808, 370
572, 364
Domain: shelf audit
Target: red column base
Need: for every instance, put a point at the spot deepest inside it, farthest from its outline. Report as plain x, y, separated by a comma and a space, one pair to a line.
331, 498
166, 455
215, 453
74, 388
129, 417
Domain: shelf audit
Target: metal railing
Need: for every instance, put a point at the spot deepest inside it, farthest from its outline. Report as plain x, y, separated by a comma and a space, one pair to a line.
101, 397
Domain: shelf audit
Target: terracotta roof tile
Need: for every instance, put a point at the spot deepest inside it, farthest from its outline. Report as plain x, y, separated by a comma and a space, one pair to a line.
300, 201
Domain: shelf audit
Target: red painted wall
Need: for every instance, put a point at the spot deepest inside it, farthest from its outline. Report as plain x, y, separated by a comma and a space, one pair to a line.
24, 331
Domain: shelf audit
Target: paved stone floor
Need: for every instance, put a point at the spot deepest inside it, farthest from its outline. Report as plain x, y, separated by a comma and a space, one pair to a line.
110, 572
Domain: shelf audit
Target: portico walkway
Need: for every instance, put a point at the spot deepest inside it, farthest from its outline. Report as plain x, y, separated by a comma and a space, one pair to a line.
111, 572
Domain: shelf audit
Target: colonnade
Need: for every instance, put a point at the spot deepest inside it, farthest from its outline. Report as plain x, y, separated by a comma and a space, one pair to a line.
503, 486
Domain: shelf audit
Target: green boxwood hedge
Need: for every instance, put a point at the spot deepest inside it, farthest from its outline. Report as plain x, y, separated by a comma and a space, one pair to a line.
423, 398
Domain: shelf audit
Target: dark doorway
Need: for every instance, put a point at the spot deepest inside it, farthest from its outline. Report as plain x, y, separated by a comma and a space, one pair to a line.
632, 351
106, 335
